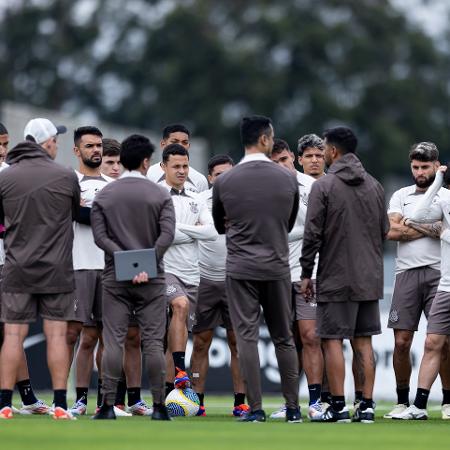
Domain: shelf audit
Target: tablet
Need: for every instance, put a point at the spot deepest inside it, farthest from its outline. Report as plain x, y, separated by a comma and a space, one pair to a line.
130, 263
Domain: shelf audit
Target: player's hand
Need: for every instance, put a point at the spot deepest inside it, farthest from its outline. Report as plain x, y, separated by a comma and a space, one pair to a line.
82, 202
141, 278
307, 289
442, 169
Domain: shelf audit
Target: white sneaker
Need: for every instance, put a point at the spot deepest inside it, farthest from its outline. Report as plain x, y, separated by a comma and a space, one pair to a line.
78, 409
121, 413
279, 413
39, 407
411, 413
445, 411
315, 411
398, 409
140, 409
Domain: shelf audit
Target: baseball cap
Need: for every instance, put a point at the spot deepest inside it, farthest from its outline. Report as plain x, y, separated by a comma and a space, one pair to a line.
40, 130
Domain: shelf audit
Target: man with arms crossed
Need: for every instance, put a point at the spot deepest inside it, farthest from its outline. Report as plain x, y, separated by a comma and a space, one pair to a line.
178, 134
212, 306
193, 223
118, 213
346, 224
433, 206
257, 217
417, 271
38, 201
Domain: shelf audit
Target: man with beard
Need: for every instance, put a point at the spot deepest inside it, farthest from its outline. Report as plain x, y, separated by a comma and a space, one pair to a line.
417, 270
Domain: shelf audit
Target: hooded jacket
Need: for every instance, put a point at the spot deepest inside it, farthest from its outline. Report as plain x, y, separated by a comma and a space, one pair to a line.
346, 223
38, 199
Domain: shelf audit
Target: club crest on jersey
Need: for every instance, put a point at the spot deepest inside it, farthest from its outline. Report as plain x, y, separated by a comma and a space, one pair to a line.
304, 199
393, 316
171, 289
194, 207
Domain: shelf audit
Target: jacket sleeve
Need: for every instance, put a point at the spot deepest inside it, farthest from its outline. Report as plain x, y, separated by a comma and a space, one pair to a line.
75, 197
314, 226
167, 228
218, 211
100, 231
83, 215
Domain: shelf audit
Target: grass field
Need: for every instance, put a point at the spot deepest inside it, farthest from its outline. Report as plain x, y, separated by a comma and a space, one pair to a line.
220, 431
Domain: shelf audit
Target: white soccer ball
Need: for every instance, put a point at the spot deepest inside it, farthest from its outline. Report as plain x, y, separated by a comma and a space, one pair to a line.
182, 402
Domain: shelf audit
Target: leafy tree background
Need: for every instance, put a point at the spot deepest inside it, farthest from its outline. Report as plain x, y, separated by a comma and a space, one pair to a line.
308, 64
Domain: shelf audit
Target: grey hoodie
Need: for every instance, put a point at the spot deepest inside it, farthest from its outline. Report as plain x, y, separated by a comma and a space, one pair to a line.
38, 199
346, 223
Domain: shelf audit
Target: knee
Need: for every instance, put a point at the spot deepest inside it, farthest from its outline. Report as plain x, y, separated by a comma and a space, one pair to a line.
88, 343
133, 339
72, 336
434, 344
201, 345
180, 307
403, 343
310, 339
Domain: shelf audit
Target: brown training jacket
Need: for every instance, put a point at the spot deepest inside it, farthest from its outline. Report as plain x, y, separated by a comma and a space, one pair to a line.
346, 223
38, 201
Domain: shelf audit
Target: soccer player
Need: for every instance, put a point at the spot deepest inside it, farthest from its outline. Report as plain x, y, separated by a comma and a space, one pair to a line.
305, 311
347, 297
178, 134
212, 306
30, 403
181, 261
433, 206
311, 155
118, 213
38, 200
255, 204
111, 166
417, 270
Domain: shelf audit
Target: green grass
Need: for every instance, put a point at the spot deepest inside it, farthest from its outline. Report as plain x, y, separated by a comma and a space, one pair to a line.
220, 431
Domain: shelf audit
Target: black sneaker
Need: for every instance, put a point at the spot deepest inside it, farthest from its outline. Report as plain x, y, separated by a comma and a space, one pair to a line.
364, 416
330, 415
254, 416
106, 412
293, 415
160, 413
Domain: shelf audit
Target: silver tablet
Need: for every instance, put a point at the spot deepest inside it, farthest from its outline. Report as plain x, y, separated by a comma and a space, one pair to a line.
130, 263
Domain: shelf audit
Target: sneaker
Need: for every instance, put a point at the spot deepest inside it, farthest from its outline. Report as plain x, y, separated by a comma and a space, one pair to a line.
398, 409
356, 404
120, 412
40, 407
411, 413
315, 411
160, 413
140, 409
330, 415
78, 409
105, 412
182, 380
293, 415
201, 411
364, 416
445, 410
240, 410
6, 413
253, 416
279, 413
62, 414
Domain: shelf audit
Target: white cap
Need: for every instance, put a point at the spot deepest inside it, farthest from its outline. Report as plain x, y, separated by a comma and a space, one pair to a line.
40, 130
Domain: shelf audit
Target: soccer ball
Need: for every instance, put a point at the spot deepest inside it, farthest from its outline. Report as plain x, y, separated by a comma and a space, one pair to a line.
182, 402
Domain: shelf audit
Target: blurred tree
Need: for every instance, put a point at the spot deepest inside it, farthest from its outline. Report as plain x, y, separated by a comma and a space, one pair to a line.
308, 64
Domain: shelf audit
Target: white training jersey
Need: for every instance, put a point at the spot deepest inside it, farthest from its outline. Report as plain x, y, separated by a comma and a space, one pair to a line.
434, 205
421, 252
193, 223
86, 255
295, 237
195, 182
3, 165
212, 254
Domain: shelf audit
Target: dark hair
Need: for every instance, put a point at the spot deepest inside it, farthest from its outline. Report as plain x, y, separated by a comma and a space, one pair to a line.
134, 149
342, 138
447, 175
279, 145
173, 149
309, 141
424, 152
217, 160
252, 128
174, 128
81, 131
111, 147
3, 129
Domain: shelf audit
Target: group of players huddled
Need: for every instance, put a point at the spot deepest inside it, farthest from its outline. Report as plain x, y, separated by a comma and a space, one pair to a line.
194, 286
